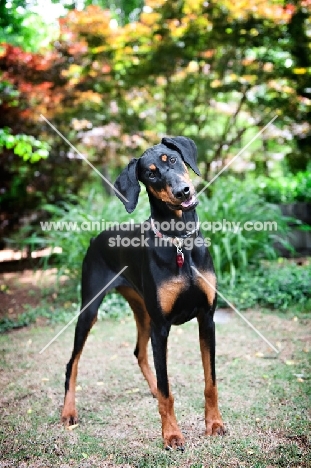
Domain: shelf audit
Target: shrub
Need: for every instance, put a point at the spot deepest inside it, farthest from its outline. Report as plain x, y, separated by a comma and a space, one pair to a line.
236, 201
238, 257
231, 200
287, 189
281, 285
95, 208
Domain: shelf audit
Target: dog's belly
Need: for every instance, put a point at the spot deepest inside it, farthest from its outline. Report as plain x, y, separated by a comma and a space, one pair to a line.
184, 316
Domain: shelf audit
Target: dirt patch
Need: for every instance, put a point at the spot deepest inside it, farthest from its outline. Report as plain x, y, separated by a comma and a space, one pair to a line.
25, 289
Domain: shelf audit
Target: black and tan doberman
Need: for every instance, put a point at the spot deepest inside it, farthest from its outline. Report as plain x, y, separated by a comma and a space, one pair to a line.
165, 283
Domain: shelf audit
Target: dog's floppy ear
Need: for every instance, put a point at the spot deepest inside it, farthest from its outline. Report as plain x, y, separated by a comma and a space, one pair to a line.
127, 186
186, 148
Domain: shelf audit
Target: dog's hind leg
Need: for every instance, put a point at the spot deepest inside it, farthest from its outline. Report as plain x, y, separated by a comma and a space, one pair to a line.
94, 279
143, 334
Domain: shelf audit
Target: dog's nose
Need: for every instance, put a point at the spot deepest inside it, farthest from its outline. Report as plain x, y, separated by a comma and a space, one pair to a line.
182, 193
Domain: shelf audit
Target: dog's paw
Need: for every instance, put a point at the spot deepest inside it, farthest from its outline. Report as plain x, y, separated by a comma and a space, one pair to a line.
215, 428
174, 441
69, 419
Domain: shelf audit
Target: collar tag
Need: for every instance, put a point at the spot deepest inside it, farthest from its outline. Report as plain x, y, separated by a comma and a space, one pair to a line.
180, 258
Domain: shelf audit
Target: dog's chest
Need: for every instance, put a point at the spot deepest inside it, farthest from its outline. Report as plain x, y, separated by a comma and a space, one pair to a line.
181, 296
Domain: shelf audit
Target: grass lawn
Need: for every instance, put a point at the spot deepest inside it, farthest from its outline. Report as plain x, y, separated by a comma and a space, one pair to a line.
264, 397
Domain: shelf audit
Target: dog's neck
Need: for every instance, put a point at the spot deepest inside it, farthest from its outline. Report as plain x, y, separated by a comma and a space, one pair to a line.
165, 216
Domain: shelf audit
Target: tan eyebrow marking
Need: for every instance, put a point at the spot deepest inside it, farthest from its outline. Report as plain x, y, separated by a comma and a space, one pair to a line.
164, 157
152, 167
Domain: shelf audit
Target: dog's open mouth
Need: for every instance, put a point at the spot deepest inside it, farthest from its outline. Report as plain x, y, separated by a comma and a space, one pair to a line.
186, 205
189, 204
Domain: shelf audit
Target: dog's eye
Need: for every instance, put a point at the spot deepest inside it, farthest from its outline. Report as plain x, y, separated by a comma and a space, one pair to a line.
173, 160
151, 175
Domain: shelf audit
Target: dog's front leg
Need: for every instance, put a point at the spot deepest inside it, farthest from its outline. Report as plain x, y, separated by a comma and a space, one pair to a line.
171, 433
213, 421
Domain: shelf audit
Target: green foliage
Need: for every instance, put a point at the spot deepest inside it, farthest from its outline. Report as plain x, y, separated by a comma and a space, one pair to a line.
64, 308
280, 285
26, 146
21, 27
114, 307
214, 80
231, 200
24, 319
233, 253
123, 10
8, 93
213, 71
236, 201
84, 218
28, 177
287, 189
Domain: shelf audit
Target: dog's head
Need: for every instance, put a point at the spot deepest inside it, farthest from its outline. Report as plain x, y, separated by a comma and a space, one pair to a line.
163, 170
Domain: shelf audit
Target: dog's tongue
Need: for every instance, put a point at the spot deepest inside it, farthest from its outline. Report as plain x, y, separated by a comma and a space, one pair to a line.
187, 203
